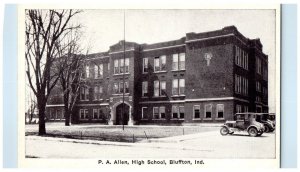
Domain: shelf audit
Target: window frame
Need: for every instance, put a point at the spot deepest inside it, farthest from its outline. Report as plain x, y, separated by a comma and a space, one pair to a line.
217, 111
160, 62
153, 116
85, 114
175, 86
194, 114
85, 90
206, 110
145, 90
160, 112
162, 92
156, 88
98, 115
145, 64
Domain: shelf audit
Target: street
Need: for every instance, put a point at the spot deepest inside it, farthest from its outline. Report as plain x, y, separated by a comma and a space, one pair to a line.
201, 145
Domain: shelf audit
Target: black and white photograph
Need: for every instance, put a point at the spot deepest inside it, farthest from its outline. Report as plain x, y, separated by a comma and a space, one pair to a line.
149, 86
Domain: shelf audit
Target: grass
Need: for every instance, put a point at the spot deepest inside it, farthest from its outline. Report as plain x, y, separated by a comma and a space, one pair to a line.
115, 133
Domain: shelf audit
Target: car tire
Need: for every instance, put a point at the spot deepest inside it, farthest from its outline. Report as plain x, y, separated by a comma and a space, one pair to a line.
260, 133
224, 131
253, 132
267, 129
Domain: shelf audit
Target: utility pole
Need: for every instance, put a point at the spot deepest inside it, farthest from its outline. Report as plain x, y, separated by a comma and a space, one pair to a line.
123, 75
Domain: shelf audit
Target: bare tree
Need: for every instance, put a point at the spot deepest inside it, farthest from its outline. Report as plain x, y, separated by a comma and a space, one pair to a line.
72, 65
45, 29
31, 109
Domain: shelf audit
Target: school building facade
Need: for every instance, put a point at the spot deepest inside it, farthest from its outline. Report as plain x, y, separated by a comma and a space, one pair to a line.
202, 77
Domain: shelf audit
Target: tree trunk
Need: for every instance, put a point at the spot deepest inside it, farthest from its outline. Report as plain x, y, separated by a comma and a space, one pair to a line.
42, 126
68, 115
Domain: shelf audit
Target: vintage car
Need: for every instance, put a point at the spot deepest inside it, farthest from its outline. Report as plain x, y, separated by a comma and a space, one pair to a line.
243, 122
264, 118
271, 117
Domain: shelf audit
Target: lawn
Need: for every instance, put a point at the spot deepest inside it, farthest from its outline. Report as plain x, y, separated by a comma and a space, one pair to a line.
116, 133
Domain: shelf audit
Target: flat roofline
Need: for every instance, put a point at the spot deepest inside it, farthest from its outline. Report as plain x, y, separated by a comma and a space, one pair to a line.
190, 37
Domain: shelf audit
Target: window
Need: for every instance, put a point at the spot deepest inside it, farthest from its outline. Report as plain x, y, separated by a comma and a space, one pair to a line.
87, 71
181, 112
163, 63
175, 111
160, 63
241, 58
175, 87
258, 86
82, 116
159, 88
145, 88
178, 112
98, 70
116, 66
126, 87
144, 110
121, 62
121, 66
156, 64
83, 113
121, 86
162, 112
208, 110
181, 61
145, 65
181, 90
98, 90
116, 88
84, 93
95, 113
96, 93
181, 86
163, 88
155, 112
175, 62
246, 109
220, 110
258, 98
258, 65
196, 111
178, 61
126, 65
156, 88
241, 85
238, 108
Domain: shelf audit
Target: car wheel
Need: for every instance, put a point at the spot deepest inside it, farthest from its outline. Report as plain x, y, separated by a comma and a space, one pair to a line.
224, 131
267, 129
253, 132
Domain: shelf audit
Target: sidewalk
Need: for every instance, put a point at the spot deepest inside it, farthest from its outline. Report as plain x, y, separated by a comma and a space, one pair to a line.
181, 138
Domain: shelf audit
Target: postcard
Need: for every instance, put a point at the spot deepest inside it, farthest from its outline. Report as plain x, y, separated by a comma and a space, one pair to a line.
136, 86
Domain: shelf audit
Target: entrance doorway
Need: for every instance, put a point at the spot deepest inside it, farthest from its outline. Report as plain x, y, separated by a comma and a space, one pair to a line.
122, 117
